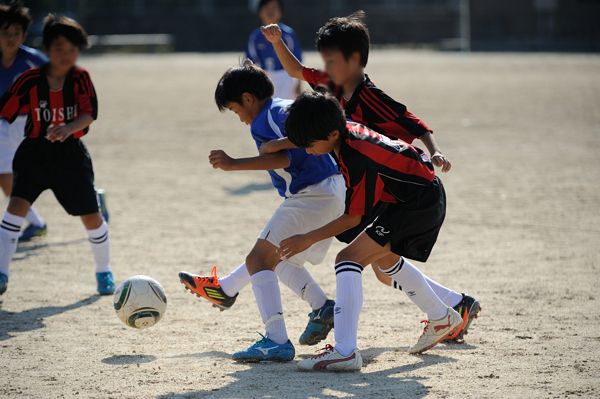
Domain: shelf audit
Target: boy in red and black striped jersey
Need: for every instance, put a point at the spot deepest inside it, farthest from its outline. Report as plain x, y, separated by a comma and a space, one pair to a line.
344, 46
376, 169
60, 102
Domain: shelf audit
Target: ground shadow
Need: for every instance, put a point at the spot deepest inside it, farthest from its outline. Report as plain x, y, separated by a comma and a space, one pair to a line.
389, 383
33, 319
201, 355
129, 359
27, 249
249, 188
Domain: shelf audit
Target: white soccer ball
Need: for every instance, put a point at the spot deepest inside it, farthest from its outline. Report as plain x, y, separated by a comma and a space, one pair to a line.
140, 302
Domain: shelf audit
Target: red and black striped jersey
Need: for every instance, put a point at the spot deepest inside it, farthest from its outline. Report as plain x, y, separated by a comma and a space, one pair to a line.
30, 94
371, 107
377, 168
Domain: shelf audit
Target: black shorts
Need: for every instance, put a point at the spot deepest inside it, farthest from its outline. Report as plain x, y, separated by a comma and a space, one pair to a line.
349, 235
65, 168
412, 232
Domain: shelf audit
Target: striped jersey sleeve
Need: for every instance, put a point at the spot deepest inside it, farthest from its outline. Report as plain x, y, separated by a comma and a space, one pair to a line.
16, 100
85, 94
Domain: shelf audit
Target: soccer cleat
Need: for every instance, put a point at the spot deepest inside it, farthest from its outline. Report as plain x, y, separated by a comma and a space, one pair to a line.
319, 324
33, 231
436, 330
208, 288
332, 360
3, 283
106, 283
469, 309
101, 194
265, 350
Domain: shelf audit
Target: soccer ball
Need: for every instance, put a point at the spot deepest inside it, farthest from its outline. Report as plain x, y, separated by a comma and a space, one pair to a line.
140, 302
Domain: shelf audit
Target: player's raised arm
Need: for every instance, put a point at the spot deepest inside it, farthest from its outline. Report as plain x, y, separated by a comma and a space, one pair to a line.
289, 61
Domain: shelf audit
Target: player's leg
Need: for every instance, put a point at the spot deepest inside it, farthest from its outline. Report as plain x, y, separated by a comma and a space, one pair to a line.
9, 234
97, 231
275, 345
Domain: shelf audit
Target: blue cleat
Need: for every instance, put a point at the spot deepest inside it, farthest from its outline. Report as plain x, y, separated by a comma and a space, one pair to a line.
33, 231
106, 283
266, 350
3, 283
319, 324
101, 194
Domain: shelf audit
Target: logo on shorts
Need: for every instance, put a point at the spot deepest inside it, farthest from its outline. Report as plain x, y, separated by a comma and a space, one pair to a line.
411, 293
381, 231
337, 310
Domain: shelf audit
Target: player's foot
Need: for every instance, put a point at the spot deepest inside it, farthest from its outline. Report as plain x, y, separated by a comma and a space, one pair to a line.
332, 360
101, 194
319, 324
33, 231
436, 330
266, 350
3, 283
208, 288
468, 309
106, 283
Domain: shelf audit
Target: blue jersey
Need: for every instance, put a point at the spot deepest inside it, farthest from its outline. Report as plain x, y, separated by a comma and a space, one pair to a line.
262, 53
27, 58
304, 170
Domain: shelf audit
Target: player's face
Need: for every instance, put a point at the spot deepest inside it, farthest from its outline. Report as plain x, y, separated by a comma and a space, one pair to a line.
242, 111
270, 13
11, 37
324, 147
62, 54
340, 69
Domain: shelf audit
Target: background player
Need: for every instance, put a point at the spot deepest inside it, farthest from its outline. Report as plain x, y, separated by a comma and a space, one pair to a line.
16, 59
60, 102
261, 52
344, 45
314, 194
375, 169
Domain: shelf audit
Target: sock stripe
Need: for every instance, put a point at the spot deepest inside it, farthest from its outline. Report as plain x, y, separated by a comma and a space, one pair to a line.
99, 240
348, 266
394, 269
396, 285
11, 224
15, 229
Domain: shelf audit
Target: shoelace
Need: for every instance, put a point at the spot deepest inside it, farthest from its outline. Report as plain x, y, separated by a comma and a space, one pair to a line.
261, 341
326, 350
426, 326
212, 281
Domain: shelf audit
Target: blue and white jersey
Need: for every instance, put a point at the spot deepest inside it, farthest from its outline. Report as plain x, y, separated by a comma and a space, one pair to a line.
304, 170
27, 58
262, 53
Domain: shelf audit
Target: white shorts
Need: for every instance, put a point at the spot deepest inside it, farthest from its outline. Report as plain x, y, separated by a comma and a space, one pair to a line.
11, 136
307, 210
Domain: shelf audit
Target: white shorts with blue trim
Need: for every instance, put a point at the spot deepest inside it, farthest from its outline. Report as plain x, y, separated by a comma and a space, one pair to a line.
11, 136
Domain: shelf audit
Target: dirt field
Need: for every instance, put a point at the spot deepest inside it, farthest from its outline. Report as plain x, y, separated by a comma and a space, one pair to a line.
522, 235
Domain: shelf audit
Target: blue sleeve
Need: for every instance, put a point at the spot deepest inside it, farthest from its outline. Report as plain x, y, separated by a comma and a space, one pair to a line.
40, 58
251, 52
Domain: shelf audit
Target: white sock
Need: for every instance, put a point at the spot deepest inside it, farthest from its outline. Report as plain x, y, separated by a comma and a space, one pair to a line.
446, 295
34, 217
100, 242
415, 285
348, 303
268, 299
9, 237
235, 281
301, 282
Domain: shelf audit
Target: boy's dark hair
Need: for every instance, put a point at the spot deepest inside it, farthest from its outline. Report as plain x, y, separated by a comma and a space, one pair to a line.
263, 3
247, 78
15, 14
346, 34
312, 117
56, 26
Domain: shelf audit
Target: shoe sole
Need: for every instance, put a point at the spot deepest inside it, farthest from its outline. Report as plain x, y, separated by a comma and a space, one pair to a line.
258, 360
473, 314
319, 336
183, 280
106, 293
33, 236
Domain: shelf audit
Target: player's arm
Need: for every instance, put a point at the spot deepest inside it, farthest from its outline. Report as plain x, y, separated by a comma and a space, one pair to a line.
220, 160
289, 61
301, 242
273, 146
437, 158
61, 133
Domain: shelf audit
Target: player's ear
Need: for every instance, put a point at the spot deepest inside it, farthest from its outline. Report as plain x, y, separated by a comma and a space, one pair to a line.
247, 99
354, 58
333, 136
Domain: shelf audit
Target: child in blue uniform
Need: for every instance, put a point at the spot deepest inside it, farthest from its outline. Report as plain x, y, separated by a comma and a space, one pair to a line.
314, 194
261, 51
16, 59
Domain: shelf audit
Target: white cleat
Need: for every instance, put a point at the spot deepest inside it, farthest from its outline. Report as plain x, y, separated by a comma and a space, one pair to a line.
332, 360
436, 330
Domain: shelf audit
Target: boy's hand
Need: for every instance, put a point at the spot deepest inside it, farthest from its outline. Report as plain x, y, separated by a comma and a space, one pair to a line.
438, 159
58, 133
272, 32
220, 160
294, 245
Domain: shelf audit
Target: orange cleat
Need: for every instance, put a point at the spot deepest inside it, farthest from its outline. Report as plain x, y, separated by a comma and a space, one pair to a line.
208, 288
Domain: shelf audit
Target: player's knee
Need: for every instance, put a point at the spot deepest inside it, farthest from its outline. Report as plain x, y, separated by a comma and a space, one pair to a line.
345, 254
255, 263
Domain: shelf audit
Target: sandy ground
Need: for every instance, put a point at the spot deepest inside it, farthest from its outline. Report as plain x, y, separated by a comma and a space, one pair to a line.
521, 235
